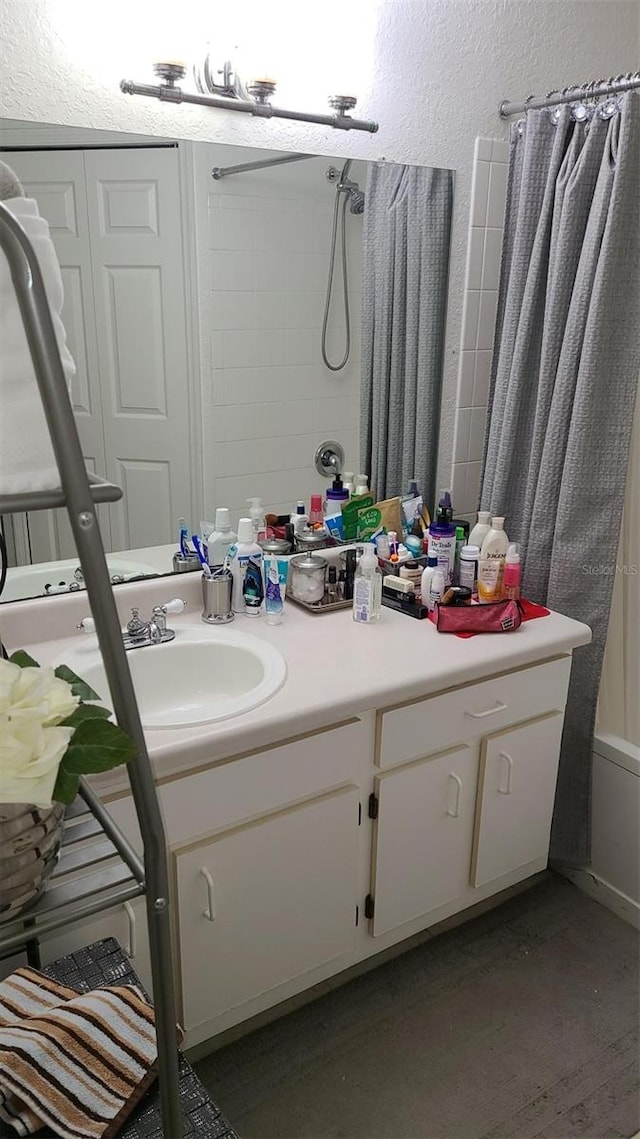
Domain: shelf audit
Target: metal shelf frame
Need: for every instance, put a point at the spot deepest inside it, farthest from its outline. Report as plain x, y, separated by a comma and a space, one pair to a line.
97, 869
79, 493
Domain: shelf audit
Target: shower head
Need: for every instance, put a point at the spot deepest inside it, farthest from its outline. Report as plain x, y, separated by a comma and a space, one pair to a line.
345, 185
356, 203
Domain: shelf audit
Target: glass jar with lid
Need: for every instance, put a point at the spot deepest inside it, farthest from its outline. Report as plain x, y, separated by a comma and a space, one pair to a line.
306, 578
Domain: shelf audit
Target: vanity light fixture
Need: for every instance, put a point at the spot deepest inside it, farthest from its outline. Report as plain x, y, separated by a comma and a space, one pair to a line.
231, 95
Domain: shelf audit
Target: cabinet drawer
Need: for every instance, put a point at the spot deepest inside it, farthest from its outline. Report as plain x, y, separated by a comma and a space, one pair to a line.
246, 786
424, 726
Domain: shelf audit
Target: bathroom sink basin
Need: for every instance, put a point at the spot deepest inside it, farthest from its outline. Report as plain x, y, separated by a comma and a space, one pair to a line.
200, 677
46, 578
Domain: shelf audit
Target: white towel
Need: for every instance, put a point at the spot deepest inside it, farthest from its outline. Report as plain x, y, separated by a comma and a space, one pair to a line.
27, 461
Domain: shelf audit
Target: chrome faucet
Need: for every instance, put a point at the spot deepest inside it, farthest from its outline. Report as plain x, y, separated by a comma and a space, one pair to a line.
139, 632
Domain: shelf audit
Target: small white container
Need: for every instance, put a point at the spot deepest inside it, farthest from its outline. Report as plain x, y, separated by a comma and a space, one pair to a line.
436, 591
246, 548
220, 538
426, 579
469, 558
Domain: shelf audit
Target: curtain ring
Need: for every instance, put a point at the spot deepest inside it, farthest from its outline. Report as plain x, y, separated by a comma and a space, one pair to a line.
550, 93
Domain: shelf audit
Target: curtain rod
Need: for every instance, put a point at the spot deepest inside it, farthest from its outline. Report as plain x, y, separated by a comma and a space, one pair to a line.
611, 86
219, 172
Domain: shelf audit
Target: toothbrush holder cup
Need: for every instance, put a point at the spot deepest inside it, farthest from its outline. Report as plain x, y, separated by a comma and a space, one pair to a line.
216, 597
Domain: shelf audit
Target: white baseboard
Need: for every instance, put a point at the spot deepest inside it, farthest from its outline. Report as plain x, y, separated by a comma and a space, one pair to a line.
603, 892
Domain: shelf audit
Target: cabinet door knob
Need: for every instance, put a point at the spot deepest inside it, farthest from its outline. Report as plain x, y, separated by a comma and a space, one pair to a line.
210, 912
505, 788
454, 811
131, 922
499, 707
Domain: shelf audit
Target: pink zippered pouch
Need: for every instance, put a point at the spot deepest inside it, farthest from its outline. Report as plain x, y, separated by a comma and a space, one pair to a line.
497, 617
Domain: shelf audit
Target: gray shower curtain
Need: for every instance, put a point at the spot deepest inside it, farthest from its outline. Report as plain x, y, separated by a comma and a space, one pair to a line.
407, 229
563, 387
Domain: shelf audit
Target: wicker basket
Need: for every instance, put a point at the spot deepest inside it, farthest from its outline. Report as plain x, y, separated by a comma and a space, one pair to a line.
30, 840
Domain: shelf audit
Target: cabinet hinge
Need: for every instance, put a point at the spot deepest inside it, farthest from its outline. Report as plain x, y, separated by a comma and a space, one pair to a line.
369, 906
373, 806
357, 914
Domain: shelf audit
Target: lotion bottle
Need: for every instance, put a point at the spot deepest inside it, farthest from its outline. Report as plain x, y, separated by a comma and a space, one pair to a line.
480, 530
492, 556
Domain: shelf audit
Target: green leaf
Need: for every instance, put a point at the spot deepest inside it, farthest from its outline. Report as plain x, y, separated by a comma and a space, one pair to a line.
23, 660
98, 745
66, 785
86, 712
79, 687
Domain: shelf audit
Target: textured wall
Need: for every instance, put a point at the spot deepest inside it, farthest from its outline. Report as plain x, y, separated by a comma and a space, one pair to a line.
438, 70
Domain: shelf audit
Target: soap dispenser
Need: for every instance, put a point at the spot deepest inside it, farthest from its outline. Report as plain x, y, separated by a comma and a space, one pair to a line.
367, 590
256, 513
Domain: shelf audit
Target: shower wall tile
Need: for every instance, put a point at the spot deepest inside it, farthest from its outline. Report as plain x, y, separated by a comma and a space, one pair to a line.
470, 319
479, 314
483, 149
466, 379
499, 150
487, 319
481, 378
268, 398
492, 251
497, 194
480, 192
475, 257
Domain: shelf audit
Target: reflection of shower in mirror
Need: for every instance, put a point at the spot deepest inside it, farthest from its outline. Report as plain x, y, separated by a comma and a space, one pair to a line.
347, 192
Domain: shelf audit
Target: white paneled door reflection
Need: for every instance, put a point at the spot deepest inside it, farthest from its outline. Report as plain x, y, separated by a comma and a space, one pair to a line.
116, 221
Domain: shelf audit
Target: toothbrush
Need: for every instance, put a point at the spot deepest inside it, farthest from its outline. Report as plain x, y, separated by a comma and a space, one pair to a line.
182, 541
206, 569
224, 568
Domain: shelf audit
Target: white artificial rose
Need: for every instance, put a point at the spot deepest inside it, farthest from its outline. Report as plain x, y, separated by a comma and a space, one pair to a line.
30, 755
34, 694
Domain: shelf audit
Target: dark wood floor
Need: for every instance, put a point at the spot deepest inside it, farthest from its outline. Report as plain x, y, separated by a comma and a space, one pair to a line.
521, 1024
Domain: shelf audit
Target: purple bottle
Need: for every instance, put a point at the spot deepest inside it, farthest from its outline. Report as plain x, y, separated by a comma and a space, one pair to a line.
442, 538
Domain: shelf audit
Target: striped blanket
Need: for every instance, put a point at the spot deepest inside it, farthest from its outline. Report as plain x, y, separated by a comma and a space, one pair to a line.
75, 1062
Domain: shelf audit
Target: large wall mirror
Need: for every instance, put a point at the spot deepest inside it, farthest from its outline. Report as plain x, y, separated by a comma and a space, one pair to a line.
209, 362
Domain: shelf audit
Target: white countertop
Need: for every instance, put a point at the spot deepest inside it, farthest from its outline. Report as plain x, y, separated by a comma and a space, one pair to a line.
335, 667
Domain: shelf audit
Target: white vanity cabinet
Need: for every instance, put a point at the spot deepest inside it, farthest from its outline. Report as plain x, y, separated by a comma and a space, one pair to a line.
266, 902
296, 861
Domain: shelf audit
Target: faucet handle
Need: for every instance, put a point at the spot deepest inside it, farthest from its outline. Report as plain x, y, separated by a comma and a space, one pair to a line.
136, 627
87, 624
176, 605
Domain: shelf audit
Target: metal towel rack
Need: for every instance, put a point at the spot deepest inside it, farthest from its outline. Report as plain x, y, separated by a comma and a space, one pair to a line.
79, 493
